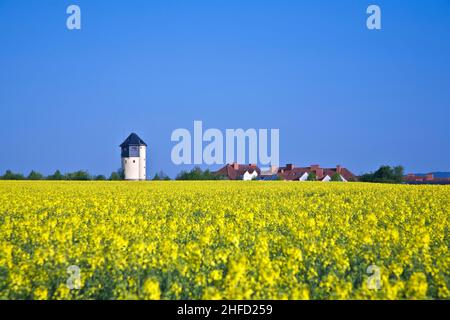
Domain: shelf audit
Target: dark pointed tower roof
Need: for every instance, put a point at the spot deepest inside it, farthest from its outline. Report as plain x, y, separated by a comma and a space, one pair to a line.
133, 140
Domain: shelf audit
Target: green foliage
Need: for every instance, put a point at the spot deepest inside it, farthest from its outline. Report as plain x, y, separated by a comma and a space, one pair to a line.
385, 174
78, 175
35, 176
9, 175
115, 176
198, 174
161, 176
336, 177
56, 176
312, 176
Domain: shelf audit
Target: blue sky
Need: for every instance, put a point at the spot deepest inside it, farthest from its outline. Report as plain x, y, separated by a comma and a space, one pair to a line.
339, 93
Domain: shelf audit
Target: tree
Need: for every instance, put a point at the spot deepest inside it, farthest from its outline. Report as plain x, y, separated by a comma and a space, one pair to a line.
9, 175
385, 174
366, 177
115, 176
198, 174
35, 176
336, 177
56, 176
100, 177
312, 176
79, 176
161, 176
399, 173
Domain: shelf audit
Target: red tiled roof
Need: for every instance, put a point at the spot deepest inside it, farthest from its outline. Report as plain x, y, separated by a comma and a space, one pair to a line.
233, 174
296, 173
413, 178
234, 171
426, 178
348, 175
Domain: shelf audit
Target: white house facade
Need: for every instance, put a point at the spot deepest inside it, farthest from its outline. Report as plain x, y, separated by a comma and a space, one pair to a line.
327, 178
304, 177
250, 176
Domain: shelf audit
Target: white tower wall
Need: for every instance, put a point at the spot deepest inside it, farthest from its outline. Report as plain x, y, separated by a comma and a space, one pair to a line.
130, 168
143, 163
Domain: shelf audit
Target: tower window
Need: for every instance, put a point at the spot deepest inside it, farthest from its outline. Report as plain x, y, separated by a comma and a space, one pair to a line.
134, 161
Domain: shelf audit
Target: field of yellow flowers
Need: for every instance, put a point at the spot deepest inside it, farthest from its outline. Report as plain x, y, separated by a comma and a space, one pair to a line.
223, 240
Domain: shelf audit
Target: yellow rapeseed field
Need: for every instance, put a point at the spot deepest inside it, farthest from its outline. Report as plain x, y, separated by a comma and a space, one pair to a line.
223, 240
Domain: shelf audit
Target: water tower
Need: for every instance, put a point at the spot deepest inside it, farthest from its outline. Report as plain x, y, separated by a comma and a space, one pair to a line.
134, 157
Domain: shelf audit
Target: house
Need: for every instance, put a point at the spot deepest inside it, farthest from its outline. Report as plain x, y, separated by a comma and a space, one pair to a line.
237, 171
292, 173
411, 177
250, 176
273, 177
428, 178
269, 174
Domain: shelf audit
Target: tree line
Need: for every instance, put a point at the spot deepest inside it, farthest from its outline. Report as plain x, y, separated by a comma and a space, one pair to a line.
80, 175
385, 174
195, 174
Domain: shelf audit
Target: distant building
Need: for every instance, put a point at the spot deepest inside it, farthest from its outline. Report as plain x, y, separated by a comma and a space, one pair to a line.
292, 173
265, 172
413, 178
269, 174
134, 158
428, 178
248, 176
237, 171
